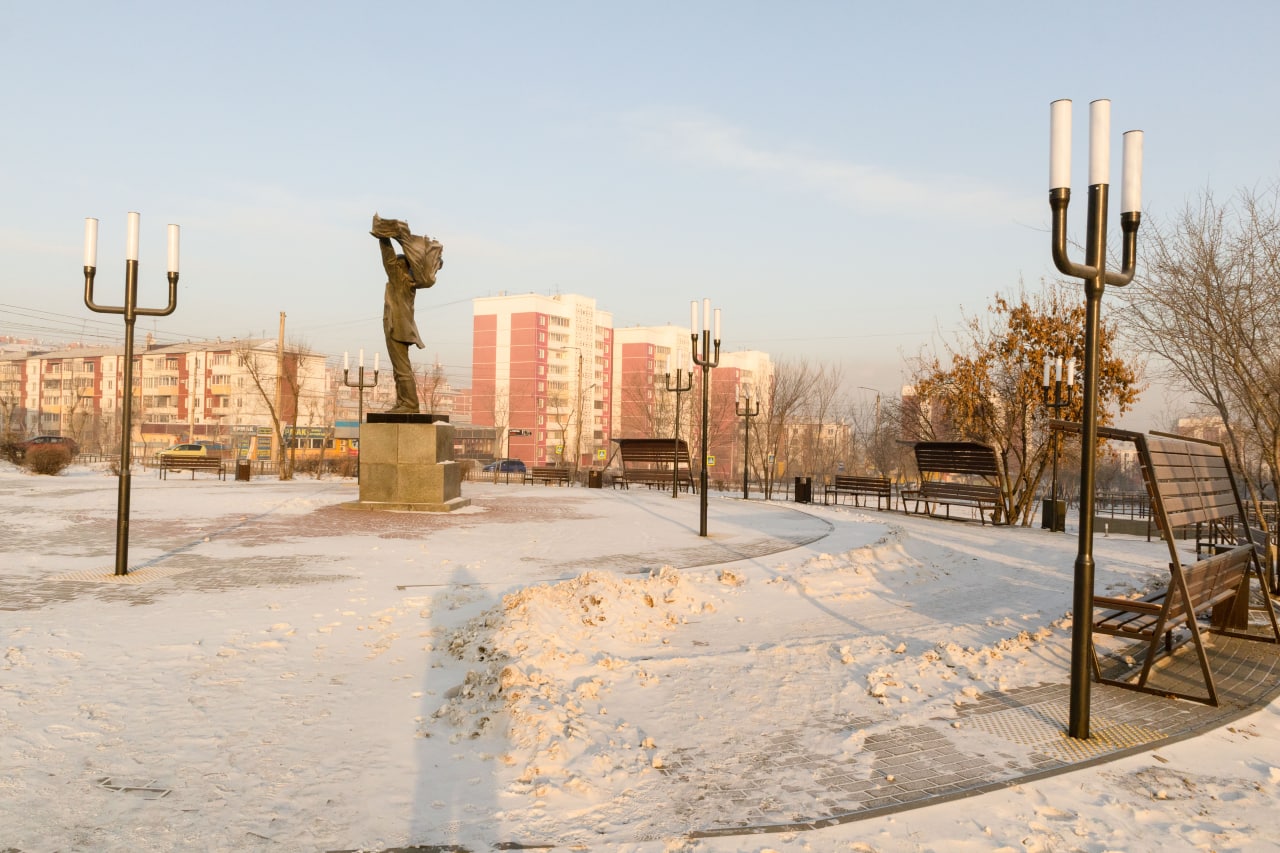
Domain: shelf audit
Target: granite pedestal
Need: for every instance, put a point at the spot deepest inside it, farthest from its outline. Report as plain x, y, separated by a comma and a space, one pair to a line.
406, 464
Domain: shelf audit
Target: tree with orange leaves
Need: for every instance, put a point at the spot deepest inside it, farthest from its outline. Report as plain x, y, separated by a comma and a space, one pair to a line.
986, 387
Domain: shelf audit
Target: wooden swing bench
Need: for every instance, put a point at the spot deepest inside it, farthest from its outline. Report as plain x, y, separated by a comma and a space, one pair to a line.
1189, 482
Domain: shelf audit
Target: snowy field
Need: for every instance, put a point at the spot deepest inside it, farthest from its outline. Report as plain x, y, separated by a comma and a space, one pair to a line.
563, 667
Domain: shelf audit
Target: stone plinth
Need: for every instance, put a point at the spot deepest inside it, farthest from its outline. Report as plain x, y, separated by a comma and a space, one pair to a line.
407, 464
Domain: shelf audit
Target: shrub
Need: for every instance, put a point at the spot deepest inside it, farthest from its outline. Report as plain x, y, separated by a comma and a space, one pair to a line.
47, 459
348, 466
10, 451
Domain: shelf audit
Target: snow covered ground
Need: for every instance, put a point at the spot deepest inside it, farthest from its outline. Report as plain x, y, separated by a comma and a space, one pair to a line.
564, 667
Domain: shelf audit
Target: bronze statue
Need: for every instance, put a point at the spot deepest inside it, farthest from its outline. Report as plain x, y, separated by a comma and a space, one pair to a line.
422, 257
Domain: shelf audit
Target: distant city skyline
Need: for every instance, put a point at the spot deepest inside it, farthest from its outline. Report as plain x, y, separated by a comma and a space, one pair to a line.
847, 182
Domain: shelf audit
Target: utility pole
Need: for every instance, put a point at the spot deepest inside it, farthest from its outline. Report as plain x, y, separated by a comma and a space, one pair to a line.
577, 436
275, 436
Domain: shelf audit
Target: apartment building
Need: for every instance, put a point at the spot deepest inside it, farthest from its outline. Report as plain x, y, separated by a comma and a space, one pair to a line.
210, 390
542, 377
656, 376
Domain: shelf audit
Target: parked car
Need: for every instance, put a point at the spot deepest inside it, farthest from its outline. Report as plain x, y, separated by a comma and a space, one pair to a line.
505, 466
49, 441
215, 449
181, 450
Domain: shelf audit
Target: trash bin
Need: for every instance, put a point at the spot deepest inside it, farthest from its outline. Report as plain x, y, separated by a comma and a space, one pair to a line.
595, 479
242, 469
1053, 515
804, 490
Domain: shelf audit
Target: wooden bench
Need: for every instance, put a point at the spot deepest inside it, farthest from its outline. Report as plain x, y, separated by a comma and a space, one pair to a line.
193, 464
1190, 483
856, 487
547, 475
652, 461
981, 488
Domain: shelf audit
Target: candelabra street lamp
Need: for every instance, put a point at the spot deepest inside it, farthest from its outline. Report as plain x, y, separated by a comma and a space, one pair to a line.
361, 384
746, 412
682, 384
706, 358
1053, 510
131, 311
1095, 275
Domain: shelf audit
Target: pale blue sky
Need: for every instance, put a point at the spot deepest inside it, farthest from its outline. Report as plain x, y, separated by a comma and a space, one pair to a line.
841, 178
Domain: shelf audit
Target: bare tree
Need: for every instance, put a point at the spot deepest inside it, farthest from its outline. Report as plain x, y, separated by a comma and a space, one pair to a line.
1207, 304
432, 383
786, 394
825, 446
990, 391
268, 376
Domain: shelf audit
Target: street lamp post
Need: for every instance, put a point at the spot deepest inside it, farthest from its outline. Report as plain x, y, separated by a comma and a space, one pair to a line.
1095, 276
707, 359
681, 385
130, 310
1057, 403
746, 412
875, 430
361, 384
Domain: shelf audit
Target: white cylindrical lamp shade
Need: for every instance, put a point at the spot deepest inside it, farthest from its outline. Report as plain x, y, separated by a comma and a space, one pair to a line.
1045, 383
1060, 144
173, 235
375, 361
1058, 376
90, 242
706, 315
346, 361
361, 362
1131, 183
1100, 142
131, 238
717, 332
1071, 372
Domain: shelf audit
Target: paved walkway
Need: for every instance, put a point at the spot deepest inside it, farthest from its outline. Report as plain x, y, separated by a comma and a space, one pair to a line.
912, 766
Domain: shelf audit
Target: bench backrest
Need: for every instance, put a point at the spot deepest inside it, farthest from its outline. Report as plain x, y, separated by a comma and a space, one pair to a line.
956, 457
1210, 577
960, 491
851, 481
1193, 480
653, 453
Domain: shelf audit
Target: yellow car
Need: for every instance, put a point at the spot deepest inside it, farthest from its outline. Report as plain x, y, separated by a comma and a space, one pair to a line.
185, 450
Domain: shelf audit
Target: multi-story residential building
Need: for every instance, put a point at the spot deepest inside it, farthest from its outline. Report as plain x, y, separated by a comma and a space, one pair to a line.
542, 377
210, 390
643, 356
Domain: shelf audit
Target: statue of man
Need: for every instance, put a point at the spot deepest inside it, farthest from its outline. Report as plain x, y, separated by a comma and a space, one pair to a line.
415, 267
